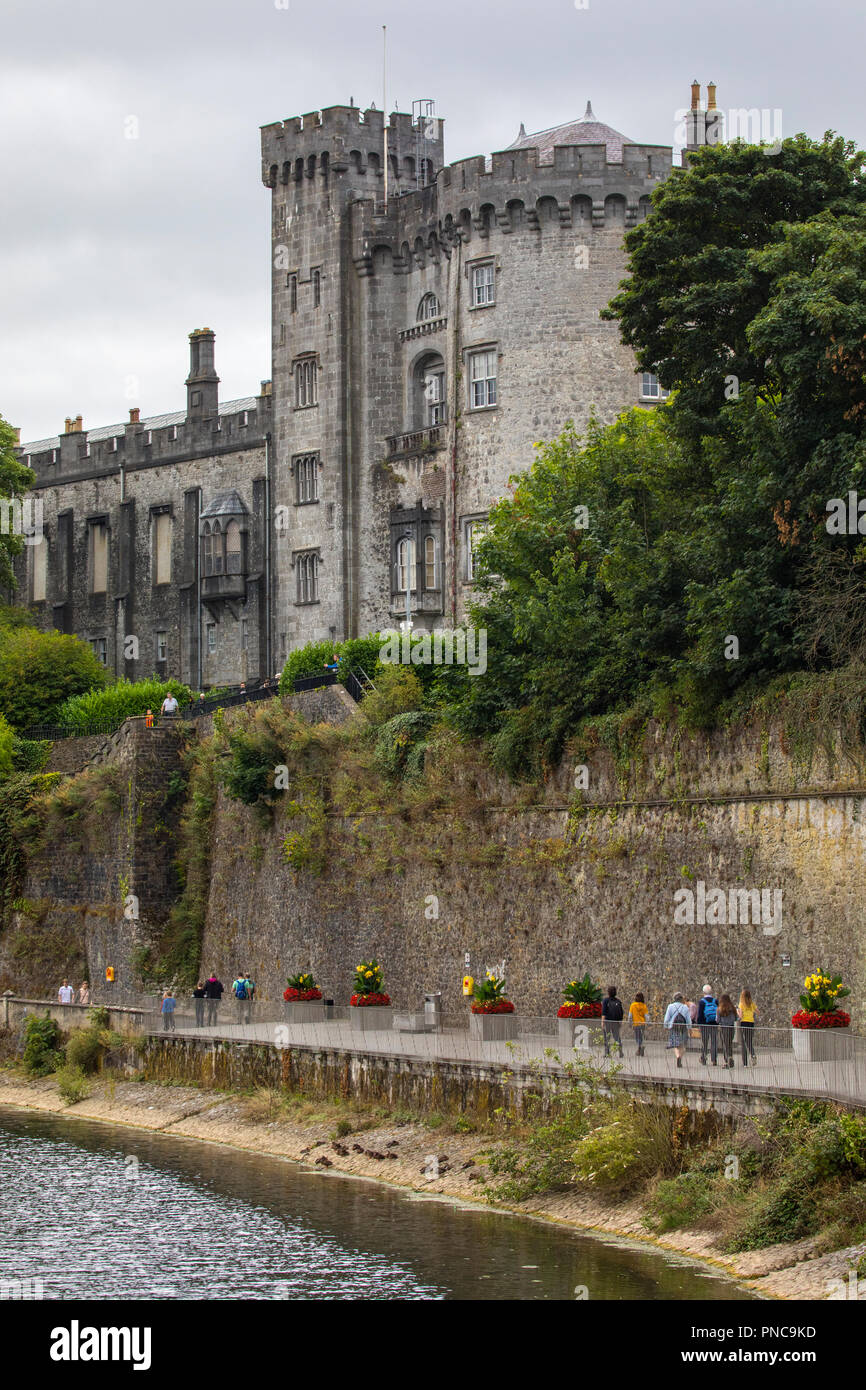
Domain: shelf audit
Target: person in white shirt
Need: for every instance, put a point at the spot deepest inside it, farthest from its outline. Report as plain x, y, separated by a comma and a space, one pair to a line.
169, 704
66, 993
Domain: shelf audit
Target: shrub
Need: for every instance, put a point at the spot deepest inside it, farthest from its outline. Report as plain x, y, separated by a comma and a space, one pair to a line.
42, 1053
30, 755
84, 1049
308, 660
398, 690
41, 670
680, 1201
7, 748
398, 740
72, 1084
120, 701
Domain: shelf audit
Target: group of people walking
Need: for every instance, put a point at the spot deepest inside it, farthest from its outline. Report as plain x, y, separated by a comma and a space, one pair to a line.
713, 1019
66, 993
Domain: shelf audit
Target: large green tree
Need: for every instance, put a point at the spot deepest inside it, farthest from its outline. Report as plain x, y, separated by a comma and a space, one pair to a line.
40, 670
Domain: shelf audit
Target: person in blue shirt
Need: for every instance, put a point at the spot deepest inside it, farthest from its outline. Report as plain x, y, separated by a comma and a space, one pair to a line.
167, 1009
708, 1022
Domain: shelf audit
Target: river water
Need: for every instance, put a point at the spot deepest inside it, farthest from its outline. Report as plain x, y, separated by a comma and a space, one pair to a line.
96, 1211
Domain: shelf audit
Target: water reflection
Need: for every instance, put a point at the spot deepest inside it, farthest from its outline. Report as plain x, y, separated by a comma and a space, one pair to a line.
99, 1212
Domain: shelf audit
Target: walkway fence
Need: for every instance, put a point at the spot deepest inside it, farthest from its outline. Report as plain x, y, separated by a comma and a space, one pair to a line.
827, 1065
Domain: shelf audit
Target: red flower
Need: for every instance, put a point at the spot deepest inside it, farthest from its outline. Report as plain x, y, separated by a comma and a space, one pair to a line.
836, 1019
579, 1010
360, 1001
499, 1006
300, 996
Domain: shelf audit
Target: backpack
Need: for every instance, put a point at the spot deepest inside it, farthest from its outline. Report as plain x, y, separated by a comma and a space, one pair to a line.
711, 1007
614, 1010
241, 991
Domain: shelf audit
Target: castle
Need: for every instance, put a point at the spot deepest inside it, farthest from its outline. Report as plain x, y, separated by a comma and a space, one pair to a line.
430, 323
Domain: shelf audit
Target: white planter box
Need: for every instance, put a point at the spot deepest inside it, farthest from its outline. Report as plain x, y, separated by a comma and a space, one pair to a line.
371, 1018
305, 1011
579, 1033
492, 1027
822, 1044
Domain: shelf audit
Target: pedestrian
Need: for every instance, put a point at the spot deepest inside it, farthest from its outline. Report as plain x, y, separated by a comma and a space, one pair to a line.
239, 990
213, 993
677, 1019
65, 994
167, 1010
747, 1012
707, 1020
148, 719
727, 1023
198, 995
84, 993
243, 690
637, 1012
611, 1020
169, 705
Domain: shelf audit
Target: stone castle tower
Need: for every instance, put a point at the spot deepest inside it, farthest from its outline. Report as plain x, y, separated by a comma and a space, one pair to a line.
430, 323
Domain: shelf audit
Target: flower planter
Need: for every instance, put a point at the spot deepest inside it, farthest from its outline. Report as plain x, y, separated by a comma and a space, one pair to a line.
492, 1027
305, 1011
579, 1033
822, 1044
371, 1018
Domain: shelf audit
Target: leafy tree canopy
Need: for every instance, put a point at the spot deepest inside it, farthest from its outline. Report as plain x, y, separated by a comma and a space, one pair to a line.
39, 670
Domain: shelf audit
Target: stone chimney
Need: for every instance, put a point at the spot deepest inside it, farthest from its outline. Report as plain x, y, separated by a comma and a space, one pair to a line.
202, 393
73, 426
134, 413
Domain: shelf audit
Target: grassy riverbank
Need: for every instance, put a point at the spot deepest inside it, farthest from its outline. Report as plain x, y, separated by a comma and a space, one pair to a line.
435, 1156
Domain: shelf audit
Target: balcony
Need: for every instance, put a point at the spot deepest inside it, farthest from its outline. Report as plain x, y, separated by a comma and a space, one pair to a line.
423, 329
426, 441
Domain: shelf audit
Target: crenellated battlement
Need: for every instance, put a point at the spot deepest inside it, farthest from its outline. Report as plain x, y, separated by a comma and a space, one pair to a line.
340, 139
477, 198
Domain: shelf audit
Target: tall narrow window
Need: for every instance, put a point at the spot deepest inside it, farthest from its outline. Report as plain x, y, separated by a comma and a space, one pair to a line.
482, 379
100, 650
211, 638
430, 563
207, 550
307, 577
483, 285
217, 551
244, 634
317, 287
306, 385
434, 394
98, 557
293, 294
405, 566
162, 646
162, 548
234, 543
473, 533
39, 563
306, 479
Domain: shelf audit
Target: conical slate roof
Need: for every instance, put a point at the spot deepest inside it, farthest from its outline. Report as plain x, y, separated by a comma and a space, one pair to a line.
228, 503
587, 131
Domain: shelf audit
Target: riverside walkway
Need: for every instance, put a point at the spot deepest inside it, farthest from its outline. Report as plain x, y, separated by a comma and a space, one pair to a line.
776, 1071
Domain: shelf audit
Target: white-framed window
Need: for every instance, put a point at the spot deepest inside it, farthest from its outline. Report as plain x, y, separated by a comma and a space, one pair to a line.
306, 479
430, 564
306, 383
405, 565
210, 629
482, 378
307, 577
212, 549
162, 646
428, 308
316, 277
483, 282
434, 395
98, 557
162, 548
99, 649
650, 389
473, 530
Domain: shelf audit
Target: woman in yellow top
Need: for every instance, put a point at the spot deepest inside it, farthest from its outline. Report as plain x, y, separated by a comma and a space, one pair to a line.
637, 1012
748, 1012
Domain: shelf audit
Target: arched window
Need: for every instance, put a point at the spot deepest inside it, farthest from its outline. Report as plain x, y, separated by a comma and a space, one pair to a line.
430, 563
217, 550
233, 548
614, 209
405, 553
428, 308
207, 550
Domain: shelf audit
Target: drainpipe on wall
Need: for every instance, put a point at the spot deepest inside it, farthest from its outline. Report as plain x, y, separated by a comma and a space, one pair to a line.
268, 598
458, 403
198, 585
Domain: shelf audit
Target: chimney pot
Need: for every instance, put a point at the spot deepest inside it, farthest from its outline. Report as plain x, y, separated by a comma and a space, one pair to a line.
68, 425
16, 429
696, 96
134, 414
711, 96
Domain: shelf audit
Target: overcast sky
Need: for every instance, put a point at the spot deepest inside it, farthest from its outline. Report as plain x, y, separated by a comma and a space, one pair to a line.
113, 249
